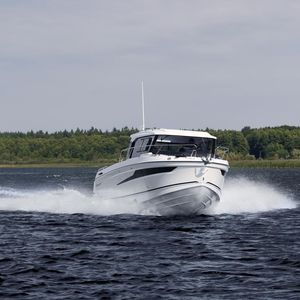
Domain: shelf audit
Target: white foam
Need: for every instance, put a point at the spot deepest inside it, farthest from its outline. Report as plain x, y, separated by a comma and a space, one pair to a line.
239, 196
66, 201
246, 196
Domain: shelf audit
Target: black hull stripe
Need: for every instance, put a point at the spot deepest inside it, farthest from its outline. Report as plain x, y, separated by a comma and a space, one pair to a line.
147, 172
161, 187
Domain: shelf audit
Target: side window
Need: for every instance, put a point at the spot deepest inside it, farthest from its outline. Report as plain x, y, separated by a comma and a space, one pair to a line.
205, 147
148, 144
141, 145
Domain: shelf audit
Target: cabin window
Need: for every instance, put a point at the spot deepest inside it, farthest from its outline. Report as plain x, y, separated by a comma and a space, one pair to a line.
141, 145
183, 146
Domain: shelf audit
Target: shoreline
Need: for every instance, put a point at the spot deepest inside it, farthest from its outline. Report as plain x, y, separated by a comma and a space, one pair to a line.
291, 163
53, 165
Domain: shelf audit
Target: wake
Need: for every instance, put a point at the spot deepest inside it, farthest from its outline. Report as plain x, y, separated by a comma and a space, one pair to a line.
239, 196
246, 196
66, 201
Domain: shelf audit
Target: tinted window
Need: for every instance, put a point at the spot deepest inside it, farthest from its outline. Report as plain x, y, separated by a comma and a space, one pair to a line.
141, 145
183, 146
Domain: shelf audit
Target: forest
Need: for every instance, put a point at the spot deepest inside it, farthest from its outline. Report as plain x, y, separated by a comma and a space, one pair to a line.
104, 147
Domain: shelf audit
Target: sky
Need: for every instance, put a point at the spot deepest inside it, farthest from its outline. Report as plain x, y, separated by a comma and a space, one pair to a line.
221, 64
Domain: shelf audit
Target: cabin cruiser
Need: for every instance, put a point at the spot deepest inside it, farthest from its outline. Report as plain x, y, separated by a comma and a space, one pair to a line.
167, 172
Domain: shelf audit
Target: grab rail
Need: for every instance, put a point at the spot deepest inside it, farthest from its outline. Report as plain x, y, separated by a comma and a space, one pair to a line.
221, 151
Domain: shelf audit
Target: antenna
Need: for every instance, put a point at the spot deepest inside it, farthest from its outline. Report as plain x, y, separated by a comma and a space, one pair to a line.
143, 106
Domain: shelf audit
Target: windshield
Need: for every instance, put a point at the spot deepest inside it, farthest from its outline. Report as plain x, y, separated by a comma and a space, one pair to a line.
183, 146
179, 146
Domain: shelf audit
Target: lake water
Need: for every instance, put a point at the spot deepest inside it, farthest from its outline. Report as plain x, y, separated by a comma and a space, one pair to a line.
58, 242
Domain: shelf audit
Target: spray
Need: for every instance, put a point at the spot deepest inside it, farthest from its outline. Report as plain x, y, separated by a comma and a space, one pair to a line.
239, 196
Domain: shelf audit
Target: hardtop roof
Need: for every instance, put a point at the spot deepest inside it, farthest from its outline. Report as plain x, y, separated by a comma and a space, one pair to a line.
172, 132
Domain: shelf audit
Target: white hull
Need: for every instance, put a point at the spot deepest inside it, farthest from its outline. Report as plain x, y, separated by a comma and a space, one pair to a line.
184, 201
162, 184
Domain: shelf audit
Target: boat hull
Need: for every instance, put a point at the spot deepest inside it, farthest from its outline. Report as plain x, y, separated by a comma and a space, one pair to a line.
170, 187
187, 201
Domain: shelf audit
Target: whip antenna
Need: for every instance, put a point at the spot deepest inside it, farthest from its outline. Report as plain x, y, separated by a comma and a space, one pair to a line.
143, 106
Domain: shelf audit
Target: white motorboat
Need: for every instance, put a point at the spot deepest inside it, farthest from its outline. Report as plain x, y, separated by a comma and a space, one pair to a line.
169, 172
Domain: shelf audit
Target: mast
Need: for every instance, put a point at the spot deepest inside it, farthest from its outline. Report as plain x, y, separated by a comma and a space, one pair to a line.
143, 106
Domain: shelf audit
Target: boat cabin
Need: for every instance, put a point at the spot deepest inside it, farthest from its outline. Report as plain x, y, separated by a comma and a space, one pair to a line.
179, 143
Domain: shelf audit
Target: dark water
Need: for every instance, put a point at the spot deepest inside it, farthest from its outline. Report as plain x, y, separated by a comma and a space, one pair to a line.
248, 249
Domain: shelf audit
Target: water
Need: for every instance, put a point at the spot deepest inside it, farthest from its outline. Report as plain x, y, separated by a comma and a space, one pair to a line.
58, 242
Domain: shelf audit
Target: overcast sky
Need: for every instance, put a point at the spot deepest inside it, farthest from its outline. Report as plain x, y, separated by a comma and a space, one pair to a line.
79, 63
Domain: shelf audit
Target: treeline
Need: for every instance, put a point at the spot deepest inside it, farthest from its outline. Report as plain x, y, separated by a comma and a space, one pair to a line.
281, 142
63, 146
94, 145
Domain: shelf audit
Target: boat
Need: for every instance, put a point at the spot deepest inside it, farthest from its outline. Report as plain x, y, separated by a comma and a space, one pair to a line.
166, 172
